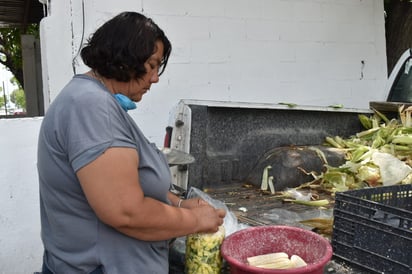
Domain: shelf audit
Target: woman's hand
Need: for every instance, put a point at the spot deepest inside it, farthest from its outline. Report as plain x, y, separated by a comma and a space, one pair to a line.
193, 202
208, 218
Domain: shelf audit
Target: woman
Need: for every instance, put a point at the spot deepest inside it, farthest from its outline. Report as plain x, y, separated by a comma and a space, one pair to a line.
106, 205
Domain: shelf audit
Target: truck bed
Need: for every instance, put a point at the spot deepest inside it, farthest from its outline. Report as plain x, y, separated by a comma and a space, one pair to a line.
253, 206
232, 143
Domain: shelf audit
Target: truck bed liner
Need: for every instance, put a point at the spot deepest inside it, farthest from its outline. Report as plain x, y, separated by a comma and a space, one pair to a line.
253, 206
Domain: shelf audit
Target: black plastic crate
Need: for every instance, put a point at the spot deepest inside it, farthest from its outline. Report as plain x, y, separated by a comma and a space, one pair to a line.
372, 228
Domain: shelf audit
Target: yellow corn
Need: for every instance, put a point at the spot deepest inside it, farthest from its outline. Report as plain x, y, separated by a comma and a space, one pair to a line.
322, 202
297, 261
203, 252
267, 258
278, 260
282, 263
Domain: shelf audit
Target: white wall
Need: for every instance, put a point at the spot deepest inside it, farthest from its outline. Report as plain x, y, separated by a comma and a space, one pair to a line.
299, 51
307, 52
20, 245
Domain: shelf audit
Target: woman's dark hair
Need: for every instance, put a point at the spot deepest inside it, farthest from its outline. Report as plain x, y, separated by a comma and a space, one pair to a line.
121, 46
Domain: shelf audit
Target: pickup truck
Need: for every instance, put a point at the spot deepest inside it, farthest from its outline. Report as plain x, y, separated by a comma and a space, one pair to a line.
232, 142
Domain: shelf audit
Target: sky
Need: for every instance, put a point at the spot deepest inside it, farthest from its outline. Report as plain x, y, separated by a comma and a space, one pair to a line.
5, 77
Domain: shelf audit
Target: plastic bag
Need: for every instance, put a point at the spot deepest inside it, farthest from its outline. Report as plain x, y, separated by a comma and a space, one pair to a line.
392, 169
298, 194
230, 221
203, 252
203, 249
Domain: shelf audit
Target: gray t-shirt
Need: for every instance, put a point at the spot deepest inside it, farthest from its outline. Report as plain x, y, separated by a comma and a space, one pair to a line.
82, 122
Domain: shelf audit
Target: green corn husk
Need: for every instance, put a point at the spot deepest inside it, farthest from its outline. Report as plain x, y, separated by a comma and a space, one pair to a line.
332, 142
402, 139
365, 121
381, 135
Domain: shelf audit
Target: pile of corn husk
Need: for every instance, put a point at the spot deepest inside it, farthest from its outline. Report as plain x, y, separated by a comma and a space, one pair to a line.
380, 155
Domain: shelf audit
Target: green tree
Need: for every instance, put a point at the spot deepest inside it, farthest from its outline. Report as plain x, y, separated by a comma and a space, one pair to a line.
1, 98
18, 98
14, 81
10, 49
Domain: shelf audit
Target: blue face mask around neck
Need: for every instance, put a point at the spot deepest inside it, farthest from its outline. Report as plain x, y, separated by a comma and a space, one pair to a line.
124, 102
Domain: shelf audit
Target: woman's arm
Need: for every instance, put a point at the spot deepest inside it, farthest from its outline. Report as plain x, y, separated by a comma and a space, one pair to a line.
111, 185
189, 203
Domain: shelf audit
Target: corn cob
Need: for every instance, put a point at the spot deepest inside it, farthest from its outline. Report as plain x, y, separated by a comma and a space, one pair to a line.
266, 258
322, 202
340, 141
368, 132
381, 116
398, 147
271, 185
297, 261
265, 177
358, 153
365, 121
333, 142
282, 263
378, 142
278, 260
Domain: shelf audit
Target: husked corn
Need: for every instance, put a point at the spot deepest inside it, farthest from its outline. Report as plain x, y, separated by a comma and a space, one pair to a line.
278, 260
282, 263
267, 258
297, 261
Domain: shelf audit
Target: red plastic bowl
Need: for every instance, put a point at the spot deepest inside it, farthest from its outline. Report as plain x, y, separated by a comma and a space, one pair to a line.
253, 241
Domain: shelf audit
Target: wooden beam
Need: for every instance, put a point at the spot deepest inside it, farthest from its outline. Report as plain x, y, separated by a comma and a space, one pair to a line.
27, 4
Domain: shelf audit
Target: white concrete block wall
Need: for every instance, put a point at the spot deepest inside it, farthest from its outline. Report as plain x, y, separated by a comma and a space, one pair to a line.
20, 244
304, 52
307, 52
